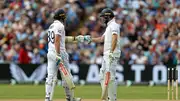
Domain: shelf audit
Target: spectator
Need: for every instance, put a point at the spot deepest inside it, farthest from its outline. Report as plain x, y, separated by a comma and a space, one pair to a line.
23, 55
36, 57
149, 29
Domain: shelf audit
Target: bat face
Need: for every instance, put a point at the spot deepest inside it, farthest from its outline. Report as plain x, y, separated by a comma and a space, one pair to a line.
63, 69
66, 76
107, 78
105, 89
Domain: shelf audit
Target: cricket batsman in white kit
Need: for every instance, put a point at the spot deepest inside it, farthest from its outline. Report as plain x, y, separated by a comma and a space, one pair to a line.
58, 58
111, 55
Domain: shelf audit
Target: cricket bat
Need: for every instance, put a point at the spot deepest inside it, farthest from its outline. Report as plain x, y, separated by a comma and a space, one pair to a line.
105, 88
66, 75
106, 83
168, 92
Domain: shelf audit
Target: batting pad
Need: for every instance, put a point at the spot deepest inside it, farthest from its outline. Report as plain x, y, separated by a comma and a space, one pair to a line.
112, 90
66, 76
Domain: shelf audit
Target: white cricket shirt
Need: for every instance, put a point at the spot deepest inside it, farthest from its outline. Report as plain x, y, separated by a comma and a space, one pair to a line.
112, 28
56, 28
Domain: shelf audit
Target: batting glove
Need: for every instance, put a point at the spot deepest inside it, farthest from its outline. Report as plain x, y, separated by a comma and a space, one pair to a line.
79, 38
58, 59
87, 38
111, 57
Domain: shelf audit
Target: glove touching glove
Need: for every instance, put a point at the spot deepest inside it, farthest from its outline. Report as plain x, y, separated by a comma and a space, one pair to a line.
85, 38
80, 38
58, 59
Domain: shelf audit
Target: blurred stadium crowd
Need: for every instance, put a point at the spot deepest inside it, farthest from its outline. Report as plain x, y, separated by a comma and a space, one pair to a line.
150, 30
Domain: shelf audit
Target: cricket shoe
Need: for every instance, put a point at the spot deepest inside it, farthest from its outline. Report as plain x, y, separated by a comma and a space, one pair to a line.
74, 99
47, 99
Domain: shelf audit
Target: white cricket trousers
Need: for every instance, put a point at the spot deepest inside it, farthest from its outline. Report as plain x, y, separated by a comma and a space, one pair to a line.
52, 70
112, 92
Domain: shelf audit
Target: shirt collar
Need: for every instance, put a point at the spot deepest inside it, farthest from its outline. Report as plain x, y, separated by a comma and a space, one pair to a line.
56, 21
112, 20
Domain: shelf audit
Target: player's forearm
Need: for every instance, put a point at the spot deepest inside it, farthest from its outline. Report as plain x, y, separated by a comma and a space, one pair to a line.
70, 39
57, 47
114, 42
57, 44
98, 39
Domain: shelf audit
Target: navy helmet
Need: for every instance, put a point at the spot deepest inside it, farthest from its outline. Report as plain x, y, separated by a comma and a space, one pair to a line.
107, 14
60, 15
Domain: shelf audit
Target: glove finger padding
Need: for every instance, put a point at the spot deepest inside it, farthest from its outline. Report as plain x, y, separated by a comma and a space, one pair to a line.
87, 38
110, 58
80, 38
58, 60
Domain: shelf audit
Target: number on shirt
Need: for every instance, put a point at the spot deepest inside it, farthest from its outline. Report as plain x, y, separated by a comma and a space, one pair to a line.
51, 36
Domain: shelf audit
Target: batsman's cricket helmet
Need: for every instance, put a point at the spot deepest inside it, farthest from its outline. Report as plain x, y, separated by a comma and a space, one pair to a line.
60, 15
107, 14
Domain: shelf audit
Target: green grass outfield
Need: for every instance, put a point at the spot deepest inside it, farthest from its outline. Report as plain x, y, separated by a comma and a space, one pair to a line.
86, 92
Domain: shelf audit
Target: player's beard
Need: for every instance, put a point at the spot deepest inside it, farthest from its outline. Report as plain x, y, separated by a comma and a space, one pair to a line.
102, 22
63, 22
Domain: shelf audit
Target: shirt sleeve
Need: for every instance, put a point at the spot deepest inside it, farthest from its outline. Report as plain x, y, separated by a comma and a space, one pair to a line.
59, 29
115, 29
